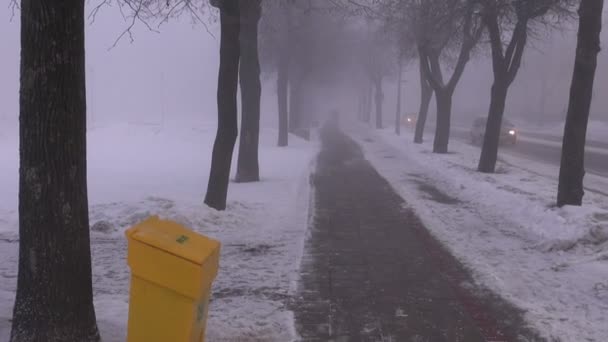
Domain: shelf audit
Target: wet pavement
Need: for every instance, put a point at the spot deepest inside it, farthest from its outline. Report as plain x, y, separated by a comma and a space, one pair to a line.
372, 272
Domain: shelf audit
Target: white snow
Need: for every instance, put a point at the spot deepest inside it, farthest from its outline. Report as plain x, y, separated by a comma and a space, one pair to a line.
596, 130
557, 144
136, 171
550, 262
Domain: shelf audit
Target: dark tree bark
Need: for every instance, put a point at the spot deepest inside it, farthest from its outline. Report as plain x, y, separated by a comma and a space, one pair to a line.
398, 111
282, 84
443, 97
248, 169
444, 91
379, 100
283, 80
54, 300
367, 110
426, 93
489, 150
572, 170
444, 113
505, 65
295, 87
227, 126
360, 104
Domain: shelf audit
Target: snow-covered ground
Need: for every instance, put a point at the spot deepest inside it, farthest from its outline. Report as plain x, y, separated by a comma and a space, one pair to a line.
596, 130
550, 262
136, 171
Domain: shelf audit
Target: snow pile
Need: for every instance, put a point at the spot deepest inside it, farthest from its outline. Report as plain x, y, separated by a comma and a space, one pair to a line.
138, 171
550, 262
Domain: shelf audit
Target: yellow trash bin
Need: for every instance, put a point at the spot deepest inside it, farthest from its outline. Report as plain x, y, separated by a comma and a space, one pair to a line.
172, 269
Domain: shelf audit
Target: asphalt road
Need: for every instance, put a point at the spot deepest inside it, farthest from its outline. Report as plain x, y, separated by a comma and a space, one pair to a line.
550, 153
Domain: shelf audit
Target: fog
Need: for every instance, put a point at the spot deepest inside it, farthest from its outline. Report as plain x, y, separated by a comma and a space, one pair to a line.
546, 69
350, 225
159, 76
163, 76
172, 75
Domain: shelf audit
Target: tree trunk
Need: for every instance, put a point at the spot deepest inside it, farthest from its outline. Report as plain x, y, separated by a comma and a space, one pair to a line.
442, 130
360, 103
379, 99
398, 111
283, 80
572, 170
367, 110
505, 66
227, 125
489, 150
54, 300
282, 84
425, 101
426, 93
294, 104
248, 169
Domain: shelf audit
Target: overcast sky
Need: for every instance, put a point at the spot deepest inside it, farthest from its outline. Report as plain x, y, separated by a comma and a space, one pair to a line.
174, 72
173, 75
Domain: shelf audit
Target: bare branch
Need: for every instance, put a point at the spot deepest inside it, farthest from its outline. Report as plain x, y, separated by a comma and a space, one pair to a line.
14, 7
426, 63
93, 14
134, 19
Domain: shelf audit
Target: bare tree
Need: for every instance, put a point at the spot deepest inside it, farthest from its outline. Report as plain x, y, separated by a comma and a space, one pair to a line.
440, 29
364, 98
502, 17
227, 130
54, 300
408, 23
314, 59
283, 78
296, 42
248, 169
398, 109
405, 42
572, 170
426, 94
282, 85
275, 42
378, 52
150, 12
442, 24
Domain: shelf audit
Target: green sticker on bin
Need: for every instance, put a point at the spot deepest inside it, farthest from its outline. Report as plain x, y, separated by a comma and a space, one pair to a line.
182, 239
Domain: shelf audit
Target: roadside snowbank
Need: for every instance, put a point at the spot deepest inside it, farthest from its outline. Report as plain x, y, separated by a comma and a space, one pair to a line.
550, 262
137, 171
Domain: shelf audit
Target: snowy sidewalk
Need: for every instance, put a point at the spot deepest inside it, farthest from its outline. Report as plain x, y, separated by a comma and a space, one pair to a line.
548, 262
137, 171
372, 272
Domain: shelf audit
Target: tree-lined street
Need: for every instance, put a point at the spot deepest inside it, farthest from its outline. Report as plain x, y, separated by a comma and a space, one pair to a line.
370, 233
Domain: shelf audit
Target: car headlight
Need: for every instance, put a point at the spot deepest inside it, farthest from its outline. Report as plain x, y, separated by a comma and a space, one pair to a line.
512, 132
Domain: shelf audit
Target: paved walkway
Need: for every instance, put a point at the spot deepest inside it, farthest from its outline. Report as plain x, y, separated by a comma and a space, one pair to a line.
371, 271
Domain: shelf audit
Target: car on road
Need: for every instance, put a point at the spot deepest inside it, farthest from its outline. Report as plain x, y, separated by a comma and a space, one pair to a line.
409, 120
508, 132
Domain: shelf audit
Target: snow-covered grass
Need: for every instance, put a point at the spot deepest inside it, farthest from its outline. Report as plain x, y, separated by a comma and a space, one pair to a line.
136, 171
550, 262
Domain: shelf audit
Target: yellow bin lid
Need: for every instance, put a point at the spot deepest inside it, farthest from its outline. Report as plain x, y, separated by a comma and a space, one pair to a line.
174, 238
